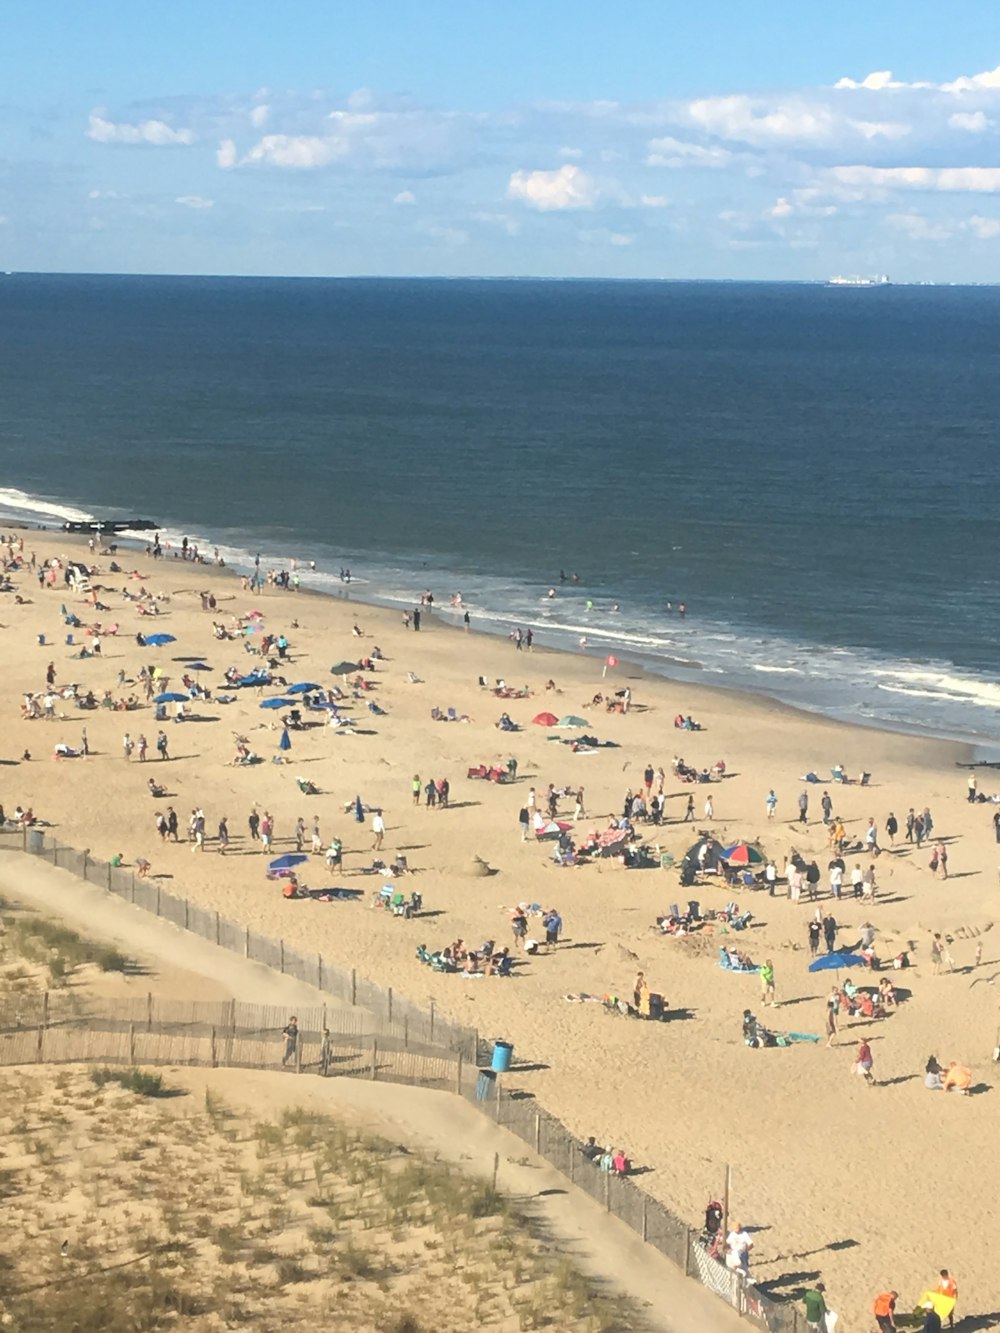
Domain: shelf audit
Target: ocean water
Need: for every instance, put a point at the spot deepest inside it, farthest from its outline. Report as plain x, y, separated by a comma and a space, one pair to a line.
813, 471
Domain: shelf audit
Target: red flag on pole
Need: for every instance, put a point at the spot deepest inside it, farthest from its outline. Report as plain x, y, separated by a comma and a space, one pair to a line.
612, 661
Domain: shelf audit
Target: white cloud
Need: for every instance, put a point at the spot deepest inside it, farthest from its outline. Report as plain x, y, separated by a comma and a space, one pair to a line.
571, 152
973, 121
548, 191
194, 201
957, 180
782, 208
225, 155
880, 129
882, 81
654, 201
751, 120
156, 132
875, 82
405, 197
259, 116
299, 152
102, 194
621, 238
918, 227
670, 152
987, 229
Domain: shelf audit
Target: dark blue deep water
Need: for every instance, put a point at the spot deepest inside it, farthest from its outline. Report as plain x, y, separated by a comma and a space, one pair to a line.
812, 470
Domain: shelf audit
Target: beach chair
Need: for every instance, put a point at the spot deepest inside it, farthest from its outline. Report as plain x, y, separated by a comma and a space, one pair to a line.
865, 779
437, 715
452, 715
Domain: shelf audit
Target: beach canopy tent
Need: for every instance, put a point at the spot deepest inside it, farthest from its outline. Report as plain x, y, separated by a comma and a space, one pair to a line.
545, 720
170, 697
343, 668
277, 703
287, 861
827, 962
742, 854
259, 677
570, 720
713, 858
157, 640
303, 687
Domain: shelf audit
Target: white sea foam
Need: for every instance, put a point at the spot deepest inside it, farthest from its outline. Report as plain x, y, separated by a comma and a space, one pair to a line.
778, 670
44, 511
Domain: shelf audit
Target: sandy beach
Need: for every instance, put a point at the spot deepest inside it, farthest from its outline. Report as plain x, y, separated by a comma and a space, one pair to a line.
807, 1141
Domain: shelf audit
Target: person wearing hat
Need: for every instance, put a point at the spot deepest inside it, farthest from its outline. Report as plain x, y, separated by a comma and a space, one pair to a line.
932, 1320
815, 1302
884, 1310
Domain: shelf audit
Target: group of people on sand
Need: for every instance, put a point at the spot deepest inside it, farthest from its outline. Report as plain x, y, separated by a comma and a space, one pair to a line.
614, 1161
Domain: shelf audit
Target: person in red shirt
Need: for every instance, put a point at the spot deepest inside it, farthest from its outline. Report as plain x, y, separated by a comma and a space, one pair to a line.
885, 1310
947, 1286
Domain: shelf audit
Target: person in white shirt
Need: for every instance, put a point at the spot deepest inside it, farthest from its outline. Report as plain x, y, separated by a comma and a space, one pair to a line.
378, 828
739, 1243
771, 876
836, 880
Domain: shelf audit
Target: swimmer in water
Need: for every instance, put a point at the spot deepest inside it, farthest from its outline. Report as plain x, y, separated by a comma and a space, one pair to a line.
590, 605
681, 609
552, 592
583, 642
616, 607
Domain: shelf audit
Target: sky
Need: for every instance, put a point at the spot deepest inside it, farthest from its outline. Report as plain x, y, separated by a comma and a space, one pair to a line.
551, 138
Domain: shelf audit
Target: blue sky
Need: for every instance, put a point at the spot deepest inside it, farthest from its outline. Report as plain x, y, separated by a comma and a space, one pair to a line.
741, 140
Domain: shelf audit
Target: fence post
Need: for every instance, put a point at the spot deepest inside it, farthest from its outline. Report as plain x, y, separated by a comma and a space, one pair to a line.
645, 1219
131, 892
149, 1011
218, 928
215, 1053
157, 900
40, 1041
298, 1055
24, 837
246, 944
45, 1009
607, 1190
389, 1015
55, 853
406, 1030
109, 877
458, 1075
319, 975
187, 906
572, 1165
538, 1133
687, 1251
374, 1057
281, 953
86, 852
354, 986
432, 1020
131, 1043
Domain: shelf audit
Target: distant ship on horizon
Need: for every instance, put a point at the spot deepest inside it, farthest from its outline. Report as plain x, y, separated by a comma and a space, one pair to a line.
855, 280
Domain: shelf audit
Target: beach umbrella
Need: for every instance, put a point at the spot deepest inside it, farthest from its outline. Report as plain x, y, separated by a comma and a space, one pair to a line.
343, 668
828, 961
545, 720
286, 741
742, 854
571, 720
303, 687
288, 860
171, 697
156, 640
277, 703
552, 828
198, 666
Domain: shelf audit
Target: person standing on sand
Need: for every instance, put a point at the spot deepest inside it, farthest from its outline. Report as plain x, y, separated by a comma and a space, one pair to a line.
814, 1301
431, 793
947, 1286
830, 931
141, 746
803, 807
127, 745
300, 833
524, 819
891, 828
911, 824
266, 831
815, 930
767, 985
884, 1310
415, 787
864, 1063
416, 619
316, 839
253, 823
826, 805
223, 835
689, 812
771, 803
939, 860
973, 793
161, 744
172, 822
578, 809
378, 829
291, 1035
519, 926
639, 988
832, 1010
709, 808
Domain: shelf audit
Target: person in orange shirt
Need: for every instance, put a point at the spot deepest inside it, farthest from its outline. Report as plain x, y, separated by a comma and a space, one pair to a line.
947, 1286
885, 1310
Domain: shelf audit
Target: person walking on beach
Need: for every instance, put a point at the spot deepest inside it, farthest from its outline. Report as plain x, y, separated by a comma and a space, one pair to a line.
253, 824
415, 788
639, 988
803, 807
378, 829
127, 745
830, 931
770, 877
973, 793
939, 860
172, 822
518, 926
814, 1301
891, 829
223, 835
300, 833
161, 744
864, 1063
578, 808
266, 831
709, 808
832, 1010
85, 751
918, 830
141, 746
767, 985
689, 812
871, 839
161, 825
290, 1032
416, 619
826, 805
431, 794
316, 839
771, 803
524, 820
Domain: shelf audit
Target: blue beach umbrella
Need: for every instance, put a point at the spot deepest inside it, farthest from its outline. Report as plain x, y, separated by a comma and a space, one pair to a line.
157, 640
277, 703
828, 961
303, 687
286, 741
287, 861
199, 666
171, 697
